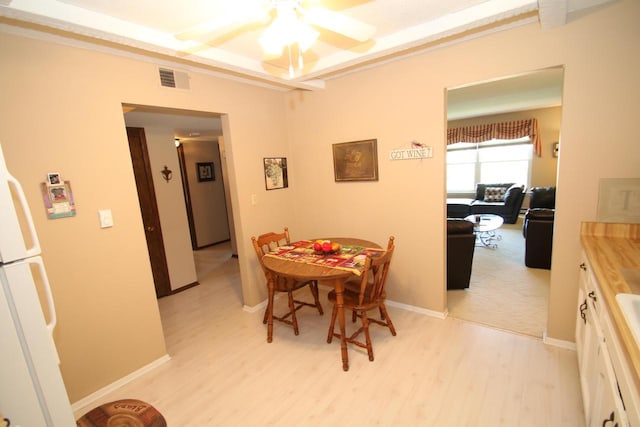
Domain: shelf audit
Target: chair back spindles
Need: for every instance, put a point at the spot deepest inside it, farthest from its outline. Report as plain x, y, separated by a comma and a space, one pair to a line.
262, 245
371, 291
369, 295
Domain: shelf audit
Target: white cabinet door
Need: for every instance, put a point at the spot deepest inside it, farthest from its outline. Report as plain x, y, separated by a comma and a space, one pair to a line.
588, 337
581, 318
590, 376
607, 408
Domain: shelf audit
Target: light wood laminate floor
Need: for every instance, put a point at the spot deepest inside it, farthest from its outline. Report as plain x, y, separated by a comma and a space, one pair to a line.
435, 372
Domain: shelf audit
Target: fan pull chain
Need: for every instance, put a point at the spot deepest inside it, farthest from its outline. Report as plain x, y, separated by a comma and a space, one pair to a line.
291, 73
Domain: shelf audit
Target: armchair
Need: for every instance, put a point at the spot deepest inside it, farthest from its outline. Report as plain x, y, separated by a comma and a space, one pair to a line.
543, 197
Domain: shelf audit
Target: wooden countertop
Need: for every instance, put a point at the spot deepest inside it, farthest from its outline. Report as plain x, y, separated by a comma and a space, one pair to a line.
611, 248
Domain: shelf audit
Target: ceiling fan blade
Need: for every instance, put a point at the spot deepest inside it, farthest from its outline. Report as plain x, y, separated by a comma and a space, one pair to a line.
225, 23
339, 23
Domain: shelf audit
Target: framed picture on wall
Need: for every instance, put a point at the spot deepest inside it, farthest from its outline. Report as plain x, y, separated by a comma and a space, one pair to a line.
356, 161
275, 173
205, 171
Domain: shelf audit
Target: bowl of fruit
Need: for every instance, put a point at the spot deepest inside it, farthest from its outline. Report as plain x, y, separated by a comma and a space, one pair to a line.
326, 247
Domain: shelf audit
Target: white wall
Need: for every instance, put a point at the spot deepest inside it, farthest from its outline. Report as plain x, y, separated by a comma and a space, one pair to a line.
207, 198
171, 207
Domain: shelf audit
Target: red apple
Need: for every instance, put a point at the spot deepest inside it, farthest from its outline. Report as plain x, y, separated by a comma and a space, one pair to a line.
326, 246
317, 246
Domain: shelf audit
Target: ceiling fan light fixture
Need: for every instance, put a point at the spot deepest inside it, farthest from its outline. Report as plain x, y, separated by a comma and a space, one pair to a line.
286, 30
272, 41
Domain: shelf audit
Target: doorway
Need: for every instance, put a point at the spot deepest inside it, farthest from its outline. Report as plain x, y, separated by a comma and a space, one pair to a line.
204, 192
503, 292
166, 126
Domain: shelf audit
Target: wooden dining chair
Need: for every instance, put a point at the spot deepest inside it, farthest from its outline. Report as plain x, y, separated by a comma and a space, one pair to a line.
262, 245
354, 285
367, 294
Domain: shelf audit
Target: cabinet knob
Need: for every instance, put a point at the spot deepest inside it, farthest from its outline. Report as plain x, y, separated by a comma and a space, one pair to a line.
583, 308
611, 419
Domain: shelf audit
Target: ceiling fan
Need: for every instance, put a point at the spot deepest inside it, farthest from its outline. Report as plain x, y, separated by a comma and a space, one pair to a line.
289, 22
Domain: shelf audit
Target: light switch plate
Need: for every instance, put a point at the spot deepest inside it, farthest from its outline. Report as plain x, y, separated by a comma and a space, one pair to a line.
106, 220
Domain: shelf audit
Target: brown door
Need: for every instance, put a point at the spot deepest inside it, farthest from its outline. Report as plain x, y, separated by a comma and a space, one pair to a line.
149, 210
187, 197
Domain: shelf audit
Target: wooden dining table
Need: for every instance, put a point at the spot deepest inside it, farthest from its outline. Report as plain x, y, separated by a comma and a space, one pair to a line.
333, 277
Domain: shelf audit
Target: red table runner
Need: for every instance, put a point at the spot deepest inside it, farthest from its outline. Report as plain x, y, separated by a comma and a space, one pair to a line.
349, 258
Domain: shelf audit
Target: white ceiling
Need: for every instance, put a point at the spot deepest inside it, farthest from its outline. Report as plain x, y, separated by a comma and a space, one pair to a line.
401, 27
186, 125
536, 89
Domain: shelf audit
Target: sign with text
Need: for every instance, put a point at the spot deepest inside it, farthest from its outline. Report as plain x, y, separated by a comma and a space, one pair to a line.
411, 154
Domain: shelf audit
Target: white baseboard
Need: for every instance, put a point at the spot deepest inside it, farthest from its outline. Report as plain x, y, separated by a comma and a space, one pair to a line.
88, 400
419, 310
567, 345
257, 307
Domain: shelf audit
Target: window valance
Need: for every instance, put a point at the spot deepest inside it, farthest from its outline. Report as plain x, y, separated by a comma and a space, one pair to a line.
506, 130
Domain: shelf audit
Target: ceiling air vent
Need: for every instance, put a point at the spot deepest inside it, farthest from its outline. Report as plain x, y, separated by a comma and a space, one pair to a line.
175, 79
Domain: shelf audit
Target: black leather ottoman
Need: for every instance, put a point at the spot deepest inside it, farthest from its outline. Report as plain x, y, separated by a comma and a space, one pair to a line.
461, 242
538, 233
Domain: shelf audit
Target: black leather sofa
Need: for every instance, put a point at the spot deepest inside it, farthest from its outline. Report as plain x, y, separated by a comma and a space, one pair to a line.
461, 242
508, 208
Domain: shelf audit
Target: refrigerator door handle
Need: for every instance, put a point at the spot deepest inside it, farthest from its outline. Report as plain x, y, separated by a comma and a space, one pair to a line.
53, 319
35, 248
51, 309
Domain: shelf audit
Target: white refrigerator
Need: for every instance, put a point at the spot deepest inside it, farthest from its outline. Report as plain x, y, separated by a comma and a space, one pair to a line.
32, 392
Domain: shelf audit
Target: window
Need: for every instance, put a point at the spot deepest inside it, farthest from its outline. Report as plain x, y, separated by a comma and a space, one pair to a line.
488, 162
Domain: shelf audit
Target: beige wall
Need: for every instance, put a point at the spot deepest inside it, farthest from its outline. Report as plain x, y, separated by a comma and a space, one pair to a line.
543, 167
207, 198
405, 100
61, 111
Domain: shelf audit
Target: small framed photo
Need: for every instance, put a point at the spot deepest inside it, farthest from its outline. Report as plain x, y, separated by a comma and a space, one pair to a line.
53, 178
205, 171
356, 161
58, 200
275, 173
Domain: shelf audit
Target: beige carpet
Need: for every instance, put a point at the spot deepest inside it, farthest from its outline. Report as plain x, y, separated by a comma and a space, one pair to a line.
504, 293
